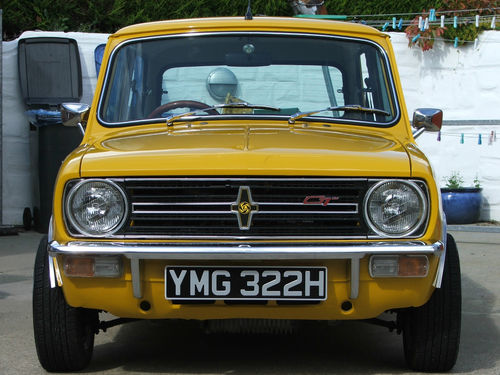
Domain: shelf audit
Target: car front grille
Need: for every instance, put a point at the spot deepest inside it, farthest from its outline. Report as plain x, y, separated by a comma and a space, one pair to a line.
270, 208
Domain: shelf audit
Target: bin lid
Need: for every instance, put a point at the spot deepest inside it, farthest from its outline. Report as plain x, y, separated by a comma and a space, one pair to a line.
49, 70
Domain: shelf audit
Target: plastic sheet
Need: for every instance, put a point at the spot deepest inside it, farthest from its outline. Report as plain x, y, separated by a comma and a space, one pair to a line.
42, 117
463, 82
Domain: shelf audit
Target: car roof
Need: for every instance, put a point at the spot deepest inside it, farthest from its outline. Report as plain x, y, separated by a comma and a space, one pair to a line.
274, 24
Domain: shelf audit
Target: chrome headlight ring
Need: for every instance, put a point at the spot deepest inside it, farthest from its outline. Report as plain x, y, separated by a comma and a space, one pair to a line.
95, 207
395, 208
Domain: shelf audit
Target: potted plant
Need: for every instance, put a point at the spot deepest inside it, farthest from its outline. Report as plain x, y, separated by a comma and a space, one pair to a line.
462, 205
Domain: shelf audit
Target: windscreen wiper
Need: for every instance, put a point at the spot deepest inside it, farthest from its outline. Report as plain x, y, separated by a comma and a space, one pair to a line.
346, 108
182, 116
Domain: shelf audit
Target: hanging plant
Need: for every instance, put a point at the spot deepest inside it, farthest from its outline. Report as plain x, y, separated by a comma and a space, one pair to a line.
423, 38
465, 30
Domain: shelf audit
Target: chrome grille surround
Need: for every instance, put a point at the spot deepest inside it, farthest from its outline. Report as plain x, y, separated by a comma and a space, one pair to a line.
204, 208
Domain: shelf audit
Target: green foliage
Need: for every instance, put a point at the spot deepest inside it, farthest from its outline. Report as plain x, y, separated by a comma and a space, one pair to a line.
464, 33
426, 38
109, 15
467, 31
454, 180
369, 7
477, 182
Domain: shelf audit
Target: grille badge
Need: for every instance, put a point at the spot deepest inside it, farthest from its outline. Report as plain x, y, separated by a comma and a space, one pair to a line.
319, 200
244, 208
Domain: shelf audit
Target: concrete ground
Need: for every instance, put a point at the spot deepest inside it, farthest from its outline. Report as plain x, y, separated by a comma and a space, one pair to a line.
184, 348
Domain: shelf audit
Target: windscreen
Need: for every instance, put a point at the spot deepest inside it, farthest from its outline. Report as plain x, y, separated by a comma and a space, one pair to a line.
150, 79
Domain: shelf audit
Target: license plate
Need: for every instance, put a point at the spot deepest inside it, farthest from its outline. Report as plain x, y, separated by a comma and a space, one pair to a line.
246, 283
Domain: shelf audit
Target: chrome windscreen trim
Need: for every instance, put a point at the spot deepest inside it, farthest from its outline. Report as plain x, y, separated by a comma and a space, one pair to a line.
388, 66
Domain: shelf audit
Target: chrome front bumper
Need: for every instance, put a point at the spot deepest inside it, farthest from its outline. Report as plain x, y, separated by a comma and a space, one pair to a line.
352, 251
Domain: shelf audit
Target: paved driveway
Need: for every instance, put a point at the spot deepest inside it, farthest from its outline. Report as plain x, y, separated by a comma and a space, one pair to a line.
184, 348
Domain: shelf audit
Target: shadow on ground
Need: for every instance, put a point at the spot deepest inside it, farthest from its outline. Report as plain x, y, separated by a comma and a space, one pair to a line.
183, 347
349, 347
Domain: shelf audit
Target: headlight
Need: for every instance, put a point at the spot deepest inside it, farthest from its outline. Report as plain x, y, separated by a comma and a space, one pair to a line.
96, 207
395, 208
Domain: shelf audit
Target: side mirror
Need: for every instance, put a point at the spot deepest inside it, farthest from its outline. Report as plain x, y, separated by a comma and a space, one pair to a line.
427, 119
74, 113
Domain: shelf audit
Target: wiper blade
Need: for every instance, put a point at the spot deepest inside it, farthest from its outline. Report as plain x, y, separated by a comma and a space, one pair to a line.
246, 105
346, 108
172, 118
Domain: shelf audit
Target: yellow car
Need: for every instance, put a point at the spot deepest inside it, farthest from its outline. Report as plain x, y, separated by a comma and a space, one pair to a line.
251, 171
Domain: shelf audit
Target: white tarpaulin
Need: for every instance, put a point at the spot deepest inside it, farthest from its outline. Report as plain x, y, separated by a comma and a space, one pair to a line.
464, 82
19, 144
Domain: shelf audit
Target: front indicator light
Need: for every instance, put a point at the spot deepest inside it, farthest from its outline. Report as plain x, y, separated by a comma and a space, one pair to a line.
81, 266
399, 266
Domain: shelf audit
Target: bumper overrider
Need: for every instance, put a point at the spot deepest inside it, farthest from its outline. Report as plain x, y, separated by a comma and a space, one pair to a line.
353, 252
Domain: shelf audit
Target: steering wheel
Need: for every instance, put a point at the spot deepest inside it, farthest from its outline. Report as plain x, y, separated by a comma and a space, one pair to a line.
191, 104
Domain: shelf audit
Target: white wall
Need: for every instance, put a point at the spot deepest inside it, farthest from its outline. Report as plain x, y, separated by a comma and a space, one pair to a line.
464, 82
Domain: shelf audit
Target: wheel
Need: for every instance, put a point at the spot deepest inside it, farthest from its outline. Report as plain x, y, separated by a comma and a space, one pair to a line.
191, 104
64, 335
431, 333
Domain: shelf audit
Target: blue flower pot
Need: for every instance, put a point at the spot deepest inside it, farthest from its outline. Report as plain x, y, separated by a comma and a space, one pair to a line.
462, 206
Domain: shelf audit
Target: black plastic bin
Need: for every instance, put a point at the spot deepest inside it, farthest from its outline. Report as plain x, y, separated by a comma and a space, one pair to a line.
55, 142
50, 74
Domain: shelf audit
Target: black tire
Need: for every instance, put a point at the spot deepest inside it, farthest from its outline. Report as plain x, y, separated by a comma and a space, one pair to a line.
64, 335
431, 333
